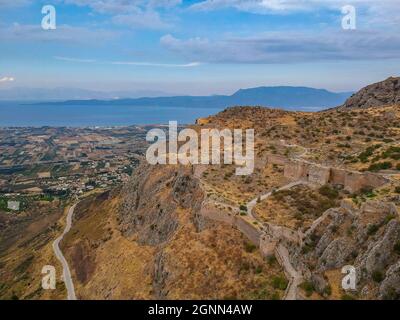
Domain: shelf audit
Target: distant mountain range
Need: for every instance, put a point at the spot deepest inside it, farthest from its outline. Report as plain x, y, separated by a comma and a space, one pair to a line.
292, 98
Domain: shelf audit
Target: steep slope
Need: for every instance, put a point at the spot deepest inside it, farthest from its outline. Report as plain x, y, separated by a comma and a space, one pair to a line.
148, 241
378, 94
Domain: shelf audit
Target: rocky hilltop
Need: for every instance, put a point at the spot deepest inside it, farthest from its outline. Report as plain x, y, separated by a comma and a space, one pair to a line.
378, 94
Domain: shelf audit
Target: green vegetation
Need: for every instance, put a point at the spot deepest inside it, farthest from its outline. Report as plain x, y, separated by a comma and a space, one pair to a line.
271, 260
372, 229
347, 296
392, 152
308, 287
328, 192
249, 247
396, 247
327, 290
380, 166
364, 156
279, 282
377, 276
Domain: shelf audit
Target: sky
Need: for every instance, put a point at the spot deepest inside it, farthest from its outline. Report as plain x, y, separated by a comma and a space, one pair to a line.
198, 47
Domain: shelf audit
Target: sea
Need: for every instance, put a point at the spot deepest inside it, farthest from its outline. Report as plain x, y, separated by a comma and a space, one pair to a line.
24, 114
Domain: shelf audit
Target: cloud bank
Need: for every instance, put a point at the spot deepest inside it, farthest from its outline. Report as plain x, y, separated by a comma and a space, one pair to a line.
280, 47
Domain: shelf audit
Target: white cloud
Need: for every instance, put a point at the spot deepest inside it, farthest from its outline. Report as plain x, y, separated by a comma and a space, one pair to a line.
134, 13
74, 59
142, 20
280, 47
131, 63
13, 3
63, 33
152, 64
6, 79
276, 6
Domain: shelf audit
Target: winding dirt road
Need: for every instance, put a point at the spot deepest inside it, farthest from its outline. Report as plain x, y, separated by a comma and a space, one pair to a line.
66, 272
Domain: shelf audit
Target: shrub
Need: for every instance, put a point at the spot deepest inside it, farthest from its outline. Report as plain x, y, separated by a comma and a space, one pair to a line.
243, 208
328, 192
327, 290
396, 247
258, 269
279, 282
347, 297
249, 247
377, 276
380, 166
308, 287
372, 229
271, 260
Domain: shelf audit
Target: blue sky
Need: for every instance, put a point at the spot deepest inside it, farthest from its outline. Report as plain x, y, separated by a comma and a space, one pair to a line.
198, 47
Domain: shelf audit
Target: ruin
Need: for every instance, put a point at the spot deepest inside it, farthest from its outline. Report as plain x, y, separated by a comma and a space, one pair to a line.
352, 181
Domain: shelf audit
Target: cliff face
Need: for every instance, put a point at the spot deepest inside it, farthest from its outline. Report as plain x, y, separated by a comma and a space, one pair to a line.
378, 94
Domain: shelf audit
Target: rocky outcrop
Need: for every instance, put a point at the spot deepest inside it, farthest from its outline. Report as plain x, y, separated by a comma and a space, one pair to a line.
151, 201
390, 287
362, 237
379, 94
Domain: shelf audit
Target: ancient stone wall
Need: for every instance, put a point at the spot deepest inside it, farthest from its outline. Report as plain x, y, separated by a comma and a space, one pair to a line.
248, 229
277, 159
337, 176
296, 170
209, 210
374, 180
319, 174
352, 181
267, 245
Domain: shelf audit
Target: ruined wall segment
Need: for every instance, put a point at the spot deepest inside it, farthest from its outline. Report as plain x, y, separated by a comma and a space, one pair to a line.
318, 174
352, 181
296, 170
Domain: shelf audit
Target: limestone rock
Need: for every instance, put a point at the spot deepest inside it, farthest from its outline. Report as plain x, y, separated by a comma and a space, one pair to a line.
379, 94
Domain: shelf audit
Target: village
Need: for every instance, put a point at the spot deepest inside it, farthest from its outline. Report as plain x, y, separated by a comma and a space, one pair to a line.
47, 163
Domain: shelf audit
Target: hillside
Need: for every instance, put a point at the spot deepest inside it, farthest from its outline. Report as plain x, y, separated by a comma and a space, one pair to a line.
201, 226
378, 94
325, 194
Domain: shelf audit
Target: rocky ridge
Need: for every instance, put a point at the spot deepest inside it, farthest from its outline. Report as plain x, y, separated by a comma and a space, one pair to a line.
376, 95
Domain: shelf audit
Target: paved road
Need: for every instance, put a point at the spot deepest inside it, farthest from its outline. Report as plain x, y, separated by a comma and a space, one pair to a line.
66, 272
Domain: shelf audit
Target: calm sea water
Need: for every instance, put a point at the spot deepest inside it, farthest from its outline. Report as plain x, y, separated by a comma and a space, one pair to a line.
20, 115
